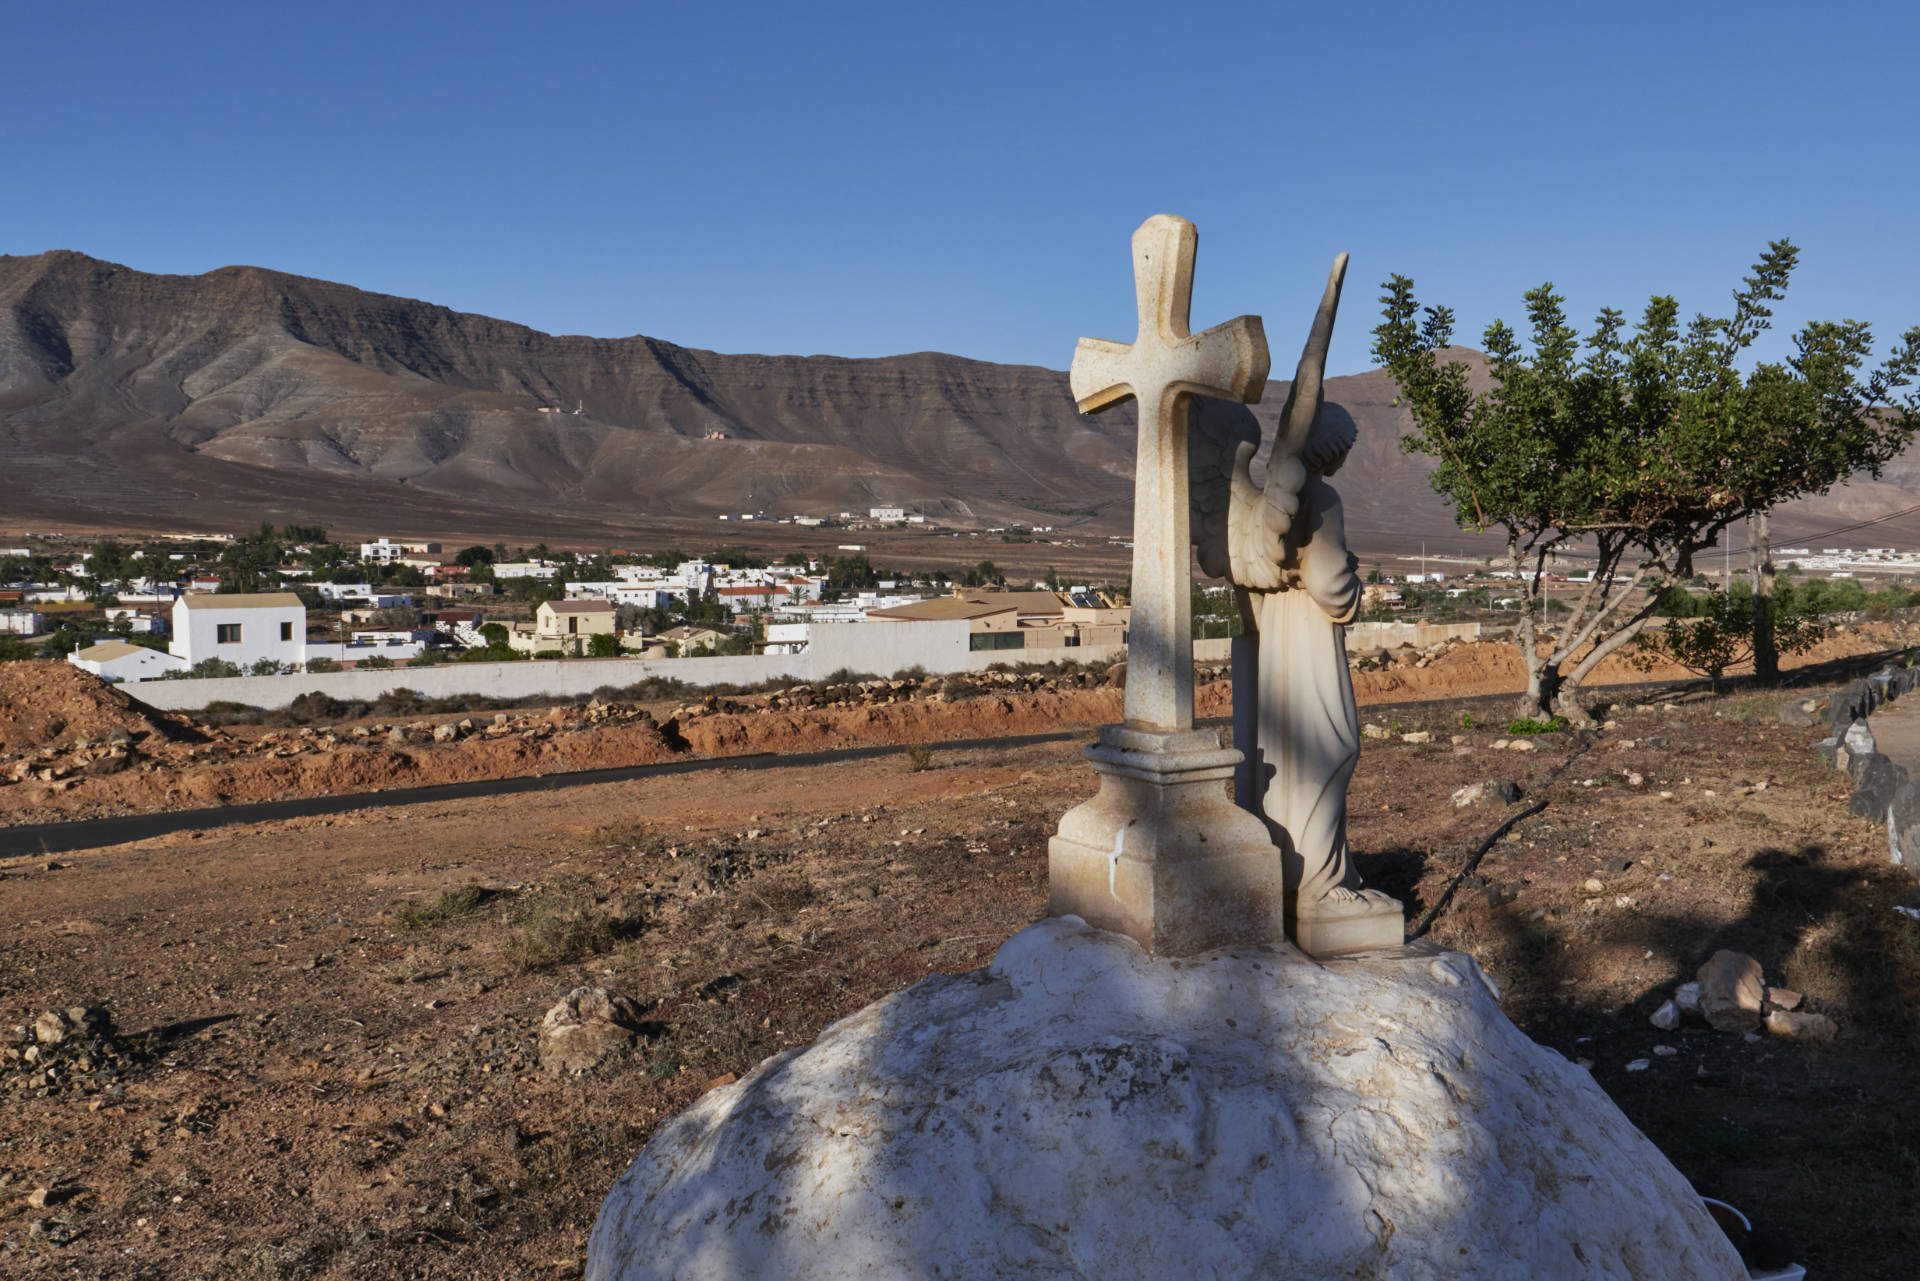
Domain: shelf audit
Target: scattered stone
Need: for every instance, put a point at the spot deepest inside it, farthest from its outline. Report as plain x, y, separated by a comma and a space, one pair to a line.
1523, 745
1639, 1065
1799, 1026
1667, 1017
1687, 997
1665, 1051
1733, 991
1471, 794
587, 1025
1417, 736
1375, 732
1784, 998
1616, 866
1793, 713
1593, 885
1508, 791
445, 733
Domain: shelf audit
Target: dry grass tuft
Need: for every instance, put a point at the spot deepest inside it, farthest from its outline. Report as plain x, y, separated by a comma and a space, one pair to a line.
446, 906
553, 931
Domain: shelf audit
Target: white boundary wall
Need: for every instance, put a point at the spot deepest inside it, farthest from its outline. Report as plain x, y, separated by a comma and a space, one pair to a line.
941, 650
1393, 635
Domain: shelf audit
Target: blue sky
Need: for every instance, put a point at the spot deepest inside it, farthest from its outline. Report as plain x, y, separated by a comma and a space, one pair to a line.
866, 179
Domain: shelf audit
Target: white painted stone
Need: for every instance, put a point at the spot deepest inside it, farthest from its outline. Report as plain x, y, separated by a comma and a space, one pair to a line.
1078, 1110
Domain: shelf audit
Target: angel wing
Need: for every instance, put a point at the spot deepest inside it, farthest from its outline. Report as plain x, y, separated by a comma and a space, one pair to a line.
1261, 518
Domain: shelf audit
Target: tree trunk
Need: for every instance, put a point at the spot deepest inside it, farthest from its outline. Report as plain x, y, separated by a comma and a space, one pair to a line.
1541, 683
1567, 707
1543, 691
1766, 655
1565, 703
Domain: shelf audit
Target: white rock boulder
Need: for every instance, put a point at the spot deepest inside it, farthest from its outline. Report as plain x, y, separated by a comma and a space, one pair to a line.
1077, 1110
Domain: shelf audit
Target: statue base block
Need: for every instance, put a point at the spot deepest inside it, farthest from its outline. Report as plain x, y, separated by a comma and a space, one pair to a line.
1368, 921
1161, 854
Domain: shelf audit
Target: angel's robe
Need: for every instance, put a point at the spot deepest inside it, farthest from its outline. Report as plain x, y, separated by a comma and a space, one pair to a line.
1309, 728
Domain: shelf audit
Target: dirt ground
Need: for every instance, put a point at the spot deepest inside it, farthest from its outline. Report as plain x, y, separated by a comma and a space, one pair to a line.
325, 1063
71, 748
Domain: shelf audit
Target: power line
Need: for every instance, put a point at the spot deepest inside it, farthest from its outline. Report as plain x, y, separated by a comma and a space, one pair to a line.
1859, 524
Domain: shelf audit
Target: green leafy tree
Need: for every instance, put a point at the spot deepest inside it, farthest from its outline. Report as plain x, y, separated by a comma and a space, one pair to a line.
473, 556
376, 662
250, 562
496, 633
1718, 633
1646, 449
110, 561
603, 645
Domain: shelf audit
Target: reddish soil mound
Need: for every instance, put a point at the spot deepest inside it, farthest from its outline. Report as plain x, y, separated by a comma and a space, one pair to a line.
48, 703
46, 709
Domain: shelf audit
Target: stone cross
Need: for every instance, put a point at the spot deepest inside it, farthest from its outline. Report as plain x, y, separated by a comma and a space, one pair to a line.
1160, 853
1160, 369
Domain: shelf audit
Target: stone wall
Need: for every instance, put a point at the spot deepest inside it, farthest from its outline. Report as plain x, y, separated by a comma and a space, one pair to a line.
1883, 791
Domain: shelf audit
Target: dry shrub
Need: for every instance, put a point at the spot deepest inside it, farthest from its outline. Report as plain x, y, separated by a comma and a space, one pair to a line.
919, 757
446, 906
624, 835
555, 930
414, 967
782, 893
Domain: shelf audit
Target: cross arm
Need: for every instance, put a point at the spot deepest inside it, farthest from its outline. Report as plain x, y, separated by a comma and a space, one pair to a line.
1102, 374
1228, 361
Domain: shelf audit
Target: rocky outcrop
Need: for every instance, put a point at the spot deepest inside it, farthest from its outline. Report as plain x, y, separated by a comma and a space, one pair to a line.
1079, 1110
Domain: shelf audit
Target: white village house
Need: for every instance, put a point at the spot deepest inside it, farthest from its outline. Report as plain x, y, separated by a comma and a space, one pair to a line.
240, 628
116, 660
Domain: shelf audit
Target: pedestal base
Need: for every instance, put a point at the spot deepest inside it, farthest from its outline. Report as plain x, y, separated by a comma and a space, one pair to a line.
1362, 923
1161, 854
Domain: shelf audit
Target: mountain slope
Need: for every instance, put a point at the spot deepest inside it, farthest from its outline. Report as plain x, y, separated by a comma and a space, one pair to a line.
214, 401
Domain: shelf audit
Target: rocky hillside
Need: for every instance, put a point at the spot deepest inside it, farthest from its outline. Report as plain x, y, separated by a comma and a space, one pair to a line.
221, 399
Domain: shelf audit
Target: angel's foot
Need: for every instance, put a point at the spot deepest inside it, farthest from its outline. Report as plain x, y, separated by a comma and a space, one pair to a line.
1347, 920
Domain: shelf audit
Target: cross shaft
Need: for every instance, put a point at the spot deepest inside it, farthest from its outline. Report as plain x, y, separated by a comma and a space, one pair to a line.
1159, 370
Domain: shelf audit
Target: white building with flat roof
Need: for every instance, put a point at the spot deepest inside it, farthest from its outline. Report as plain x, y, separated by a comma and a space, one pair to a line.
240, 628
116, 660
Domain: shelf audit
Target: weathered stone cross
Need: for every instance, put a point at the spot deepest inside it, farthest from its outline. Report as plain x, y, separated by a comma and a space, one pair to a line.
1160, 369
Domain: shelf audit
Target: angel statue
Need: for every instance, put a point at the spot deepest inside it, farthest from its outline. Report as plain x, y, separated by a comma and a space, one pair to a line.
1282, 544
